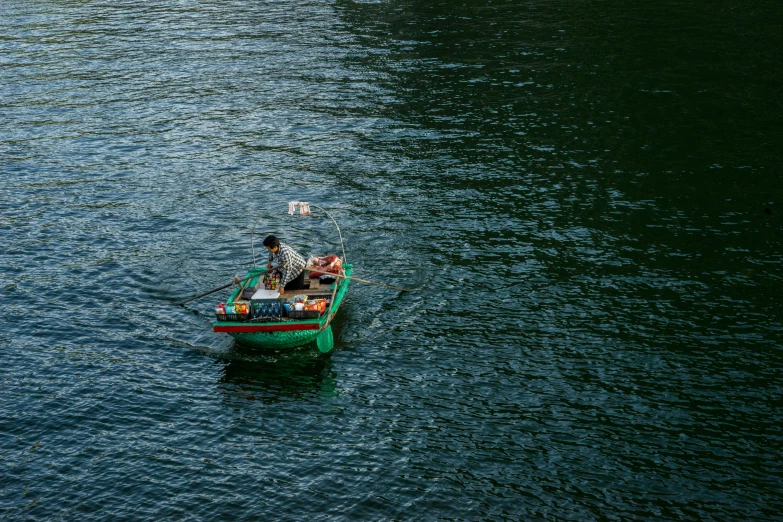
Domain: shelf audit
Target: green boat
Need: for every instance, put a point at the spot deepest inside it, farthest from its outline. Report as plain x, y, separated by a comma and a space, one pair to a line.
268, 323
281, 331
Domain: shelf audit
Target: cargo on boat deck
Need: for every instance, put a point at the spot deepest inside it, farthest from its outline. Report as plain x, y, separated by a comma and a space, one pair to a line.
233, 311
276, 309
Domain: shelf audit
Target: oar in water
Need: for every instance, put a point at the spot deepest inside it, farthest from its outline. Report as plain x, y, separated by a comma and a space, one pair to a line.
232, 283
314, 269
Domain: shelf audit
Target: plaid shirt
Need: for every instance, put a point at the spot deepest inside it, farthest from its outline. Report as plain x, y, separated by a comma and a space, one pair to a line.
290, 263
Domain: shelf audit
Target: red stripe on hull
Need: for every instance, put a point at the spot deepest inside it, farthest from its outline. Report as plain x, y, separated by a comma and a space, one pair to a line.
266, 328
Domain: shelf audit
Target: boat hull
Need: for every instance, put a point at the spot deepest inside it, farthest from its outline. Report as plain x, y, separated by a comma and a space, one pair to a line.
275, 340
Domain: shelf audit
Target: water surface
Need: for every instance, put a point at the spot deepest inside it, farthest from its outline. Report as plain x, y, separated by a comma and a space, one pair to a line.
586, 195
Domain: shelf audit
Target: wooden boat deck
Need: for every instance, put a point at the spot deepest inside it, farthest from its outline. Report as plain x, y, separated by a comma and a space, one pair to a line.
324, 290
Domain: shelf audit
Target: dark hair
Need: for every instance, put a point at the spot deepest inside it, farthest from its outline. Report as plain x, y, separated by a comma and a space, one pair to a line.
271, 242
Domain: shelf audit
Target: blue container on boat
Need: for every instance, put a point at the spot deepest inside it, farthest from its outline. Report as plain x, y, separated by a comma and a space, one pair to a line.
267, 310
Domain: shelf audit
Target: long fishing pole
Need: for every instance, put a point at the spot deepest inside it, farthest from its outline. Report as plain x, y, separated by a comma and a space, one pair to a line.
329, 274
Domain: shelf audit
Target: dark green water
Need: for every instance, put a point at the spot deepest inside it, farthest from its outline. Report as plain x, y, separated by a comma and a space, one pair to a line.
589, 194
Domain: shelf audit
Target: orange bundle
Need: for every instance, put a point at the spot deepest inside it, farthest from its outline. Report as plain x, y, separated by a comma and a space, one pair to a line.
316, 305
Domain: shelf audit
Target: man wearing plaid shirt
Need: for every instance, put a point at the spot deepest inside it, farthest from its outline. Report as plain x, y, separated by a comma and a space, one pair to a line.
290, 263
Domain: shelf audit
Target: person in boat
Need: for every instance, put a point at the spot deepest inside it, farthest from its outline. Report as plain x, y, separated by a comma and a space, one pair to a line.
290, 263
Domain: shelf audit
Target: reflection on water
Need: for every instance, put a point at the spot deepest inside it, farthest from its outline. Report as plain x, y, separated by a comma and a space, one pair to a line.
269, 378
